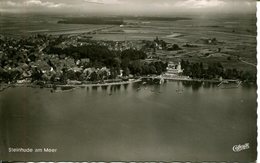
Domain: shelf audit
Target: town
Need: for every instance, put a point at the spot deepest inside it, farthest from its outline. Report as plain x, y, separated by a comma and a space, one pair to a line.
77, 59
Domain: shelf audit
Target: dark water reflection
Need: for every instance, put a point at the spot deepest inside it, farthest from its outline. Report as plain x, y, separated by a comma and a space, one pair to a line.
142, 121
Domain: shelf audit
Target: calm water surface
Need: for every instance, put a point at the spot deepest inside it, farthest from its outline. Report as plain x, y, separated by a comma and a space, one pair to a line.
174, 121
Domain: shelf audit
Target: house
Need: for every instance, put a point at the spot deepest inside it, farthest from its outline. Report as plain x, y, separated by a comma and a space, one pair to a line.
173, 69
85, 60
74, 82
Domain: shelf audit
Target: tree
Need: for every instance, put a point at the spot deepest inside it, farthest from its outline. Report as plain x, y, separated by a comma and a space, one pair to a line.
126, 71
133, 54
36, 74
152, 69
114, 73
93, 76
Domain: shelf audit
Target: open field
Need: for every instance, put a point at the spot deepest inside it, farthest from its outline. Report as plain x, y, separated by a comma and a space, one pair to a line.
24, 25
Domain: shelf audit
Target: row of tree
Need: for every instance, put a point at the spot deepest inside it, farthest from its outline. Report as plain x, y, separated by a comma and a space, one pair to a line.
214, 70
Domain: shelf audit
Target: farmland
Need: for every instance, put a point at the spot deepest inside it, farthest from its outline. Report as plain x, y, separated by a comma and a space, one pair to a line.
201, 38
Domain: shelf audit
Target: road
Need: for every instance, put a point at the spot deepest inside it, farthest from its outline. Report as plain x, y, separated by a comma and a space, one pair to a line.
248, 63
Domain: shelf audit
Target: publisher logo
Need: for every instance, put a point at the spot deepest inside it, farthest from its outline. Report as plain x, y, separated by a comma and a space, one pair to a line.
239, 148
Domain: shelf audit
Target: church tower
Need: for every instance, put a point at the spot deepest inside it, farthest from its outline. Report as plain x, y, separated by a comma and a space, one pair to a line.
179, 68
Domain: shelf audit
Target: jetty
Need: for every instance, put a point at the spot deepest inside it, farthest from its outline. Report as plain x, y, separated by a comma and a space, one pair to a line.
229, 83
180, 78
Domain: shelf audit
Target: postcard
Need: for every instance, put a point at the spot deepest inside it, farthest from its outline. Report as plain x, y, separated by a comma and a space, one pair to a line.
128, 80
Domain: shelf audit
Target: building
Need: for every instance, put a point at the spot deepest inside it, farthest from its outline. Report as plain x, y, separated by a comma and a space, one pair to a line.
173, 69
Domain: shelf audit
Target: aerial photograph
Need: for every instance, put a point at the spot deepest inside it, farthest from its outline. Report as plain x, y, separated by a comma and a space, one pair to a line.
128, 80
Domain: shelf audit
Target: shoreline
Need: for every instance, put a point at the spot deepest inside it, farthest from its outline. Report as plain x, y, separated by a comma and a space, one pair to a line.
4, 86
101, 84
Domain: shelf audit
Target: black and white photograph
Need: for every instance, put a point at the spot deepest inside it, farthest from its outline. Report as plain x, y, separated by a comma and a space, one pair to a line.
128, 81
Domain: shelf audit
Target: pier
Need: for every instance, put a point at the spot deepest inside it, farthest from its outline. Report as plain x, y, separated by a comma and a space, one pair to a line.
180, 78
230, 81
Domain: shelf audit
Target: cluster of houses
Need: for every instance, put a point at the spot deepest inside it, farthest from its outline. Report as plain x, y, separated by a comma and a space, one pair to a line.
29, 58
162, 45
112, 45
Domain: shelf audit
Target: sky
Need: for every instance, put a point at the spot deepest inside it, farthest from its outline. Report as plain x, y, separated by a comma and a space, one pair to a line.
129, 7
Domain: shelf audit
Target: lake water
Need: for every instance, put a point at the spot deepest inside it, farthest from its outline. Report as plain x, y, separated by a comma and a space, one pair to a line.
173, 121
